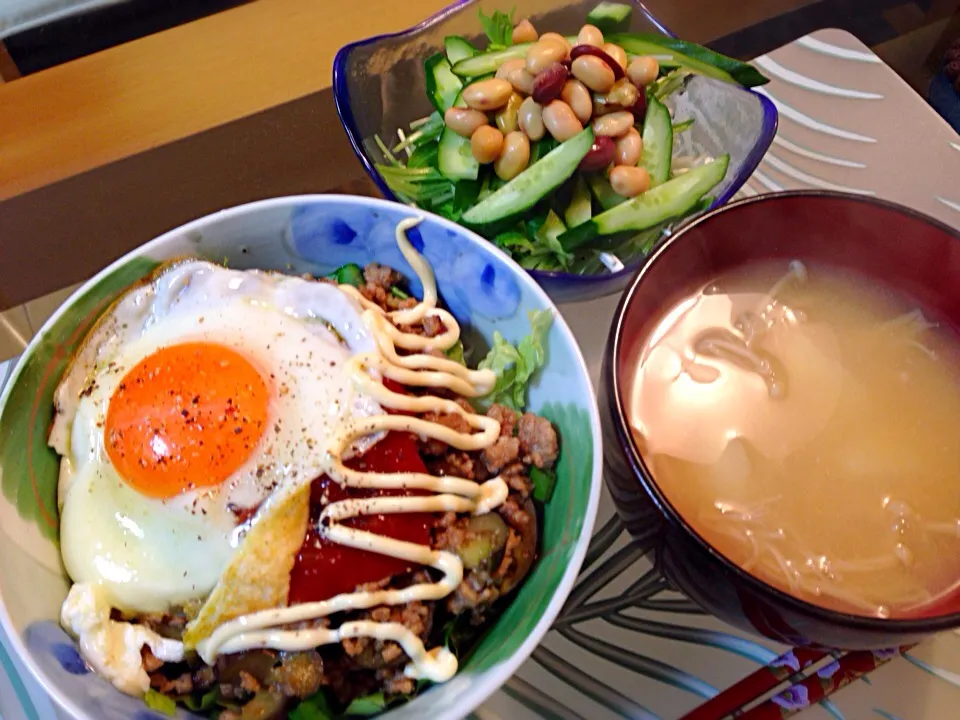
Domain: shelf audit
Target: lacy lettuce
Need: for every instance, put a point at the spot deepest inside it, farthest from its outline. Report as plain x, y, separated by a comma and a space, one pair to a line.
515, 366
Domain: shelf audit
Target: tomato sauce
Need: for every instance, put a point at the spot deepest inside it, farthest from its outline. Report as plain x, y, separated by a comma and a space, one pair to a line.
324, 568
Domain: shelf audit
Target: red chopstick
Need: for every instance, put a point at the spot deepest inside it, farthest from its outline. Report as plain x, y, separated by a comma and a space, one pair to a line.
822, 684
806, 688
788, 666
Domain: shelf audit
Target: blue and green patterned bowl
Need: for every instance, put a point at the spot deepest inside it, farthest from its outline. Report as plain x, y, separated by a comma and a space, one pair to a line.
486, 291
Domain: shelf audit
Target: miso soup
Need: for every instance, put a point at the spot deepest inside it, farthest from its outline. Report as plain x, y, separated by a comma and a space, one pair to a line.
806, 423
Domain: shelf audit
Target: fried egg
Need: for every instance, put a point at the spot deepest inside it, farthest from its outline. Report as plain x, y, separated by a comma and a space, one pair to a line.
199, 394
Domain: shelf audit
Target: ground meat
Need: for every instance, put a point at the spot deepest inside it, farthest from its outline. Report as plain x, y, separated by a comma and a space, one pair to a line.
522, 543
377, 288
229, 691
509, 559
538, 440
399, 303
346, 683
515, 475
248, 683
372, 586
151, 662
506, 417
516, 515
396, 683
180, 685
503, 452
453, 421
446, 520
204, 677
377, 295
238, 674
454, 462
379, 279
381, 276
299, 674
450, 533
432, 326
474, 594
372, 654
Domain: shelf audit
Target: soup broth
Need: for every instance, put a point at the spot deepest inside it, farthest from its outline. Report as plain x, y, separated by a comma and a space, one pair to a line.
806, 423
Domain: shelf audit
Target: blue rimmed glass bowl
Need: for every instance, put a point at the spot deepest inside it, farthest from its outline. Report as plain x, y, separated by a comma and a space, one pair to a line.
379, 87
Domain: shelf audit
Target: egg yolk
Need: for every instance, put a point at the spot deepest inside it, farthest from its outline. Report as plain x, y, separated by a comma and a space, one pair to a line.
185, 417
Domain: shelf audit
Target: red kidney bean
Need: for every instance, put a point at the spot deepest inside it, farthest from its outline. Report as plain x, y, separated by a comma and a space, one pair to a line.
639, 108
597, 52
600, 156
548, 84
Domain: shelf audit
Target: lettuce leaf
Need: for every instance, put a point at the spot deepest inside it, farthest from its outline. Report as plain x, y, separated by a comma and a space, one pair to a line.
201, 702
456, 353
367, 705
161, 703
498, 27
515, 366
316, 707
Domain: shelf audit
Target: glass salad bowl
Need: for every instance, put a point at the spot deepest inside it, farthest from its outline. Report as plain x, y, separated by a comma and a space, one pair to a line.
380, 89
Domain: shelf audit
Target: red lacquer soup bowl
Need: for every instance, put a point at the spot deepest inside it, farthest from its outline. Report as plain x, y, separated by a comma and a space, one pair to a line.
902, 249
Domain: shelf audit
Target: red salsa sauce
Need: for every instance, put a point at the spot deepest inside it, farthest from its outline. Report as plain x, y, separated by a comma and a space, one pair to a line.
323, 568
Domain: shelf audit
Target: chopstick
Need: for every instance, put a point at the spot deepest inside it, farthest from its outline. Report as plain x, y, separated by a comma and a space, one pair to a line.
788, 667
822, 684
811, 676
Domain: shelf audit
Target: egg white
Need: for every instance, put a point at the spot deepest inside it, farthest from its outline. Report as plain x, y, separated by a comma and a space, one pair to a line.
146, 553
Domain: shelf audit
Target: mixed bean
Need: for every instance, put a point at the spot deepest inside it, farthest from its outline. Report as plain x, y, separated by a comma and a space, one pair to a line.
559, 89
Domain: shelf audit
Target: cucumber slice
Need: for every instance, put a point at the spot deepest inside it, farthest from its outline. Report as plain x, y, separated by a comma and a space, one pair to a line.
674, 198
580, 208
611, 17
603, 191
458, 48
644, 45
743, 73
442, 85
534, 183
489, 62
657, 142
682, 126
455, 159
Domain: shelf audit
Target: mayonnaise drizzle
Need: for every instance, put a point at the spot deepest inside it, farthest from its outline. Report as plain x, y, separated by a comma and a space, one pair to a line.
266, 629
